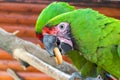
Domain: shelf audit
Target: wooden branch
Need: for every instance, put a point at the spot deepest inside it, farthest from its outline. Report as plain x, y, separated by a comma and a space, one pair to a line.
35, 56
40, 65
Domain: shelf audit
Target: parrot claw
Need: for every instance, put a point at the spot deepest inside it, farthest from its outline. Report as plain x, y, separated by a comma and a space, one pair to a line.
94, 78
76, 76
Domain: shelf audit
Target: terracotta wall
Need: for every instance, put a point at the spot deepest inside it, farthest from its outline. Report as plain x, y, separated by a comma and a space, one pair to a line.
22, 17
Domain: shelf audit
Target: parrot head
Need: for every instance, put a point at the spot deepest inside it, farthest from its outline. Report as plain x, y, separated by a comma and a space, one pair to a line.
69, 32
57, 36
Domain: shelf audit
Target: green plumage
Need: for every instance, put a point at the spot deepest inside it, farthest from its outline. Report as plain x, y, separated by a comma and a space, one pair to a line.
51, 11
96, 37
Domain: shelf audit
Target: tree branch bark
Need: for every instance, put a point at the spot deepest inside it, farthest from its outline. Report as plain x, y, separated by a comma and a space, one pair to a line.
35, 56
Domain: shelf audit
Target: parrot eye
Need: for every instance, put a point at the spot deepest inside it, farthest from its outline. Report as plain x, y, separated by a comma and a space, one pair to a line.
61, 26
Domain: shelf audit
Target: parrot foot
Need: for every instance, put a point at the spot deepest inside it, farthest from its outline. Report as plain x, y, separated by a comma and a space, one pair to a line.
94, 78
78, 76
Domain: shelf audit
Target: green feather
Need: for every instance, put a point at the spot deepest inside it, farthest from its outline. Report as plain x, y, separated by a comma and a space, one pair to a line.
118, 50
95, 35
78, 60
51, 11
86, 68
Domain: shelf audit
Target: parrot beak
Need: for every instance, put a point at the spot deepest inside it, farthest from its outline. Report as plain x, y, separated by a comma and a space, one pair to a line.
55, 48
50, 43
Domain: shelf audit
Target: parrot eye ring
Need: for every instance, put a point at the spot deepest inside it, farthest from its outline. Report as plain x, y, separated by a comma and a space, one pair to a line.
61, 26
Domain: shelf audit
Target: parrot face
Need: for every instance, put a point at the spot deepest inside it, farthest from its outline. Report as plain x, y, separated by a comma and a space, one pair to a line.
57, 36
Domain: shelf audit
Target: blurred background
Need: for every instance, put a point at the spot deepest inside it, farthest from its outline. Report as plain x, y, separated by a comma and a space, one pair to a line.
22, 15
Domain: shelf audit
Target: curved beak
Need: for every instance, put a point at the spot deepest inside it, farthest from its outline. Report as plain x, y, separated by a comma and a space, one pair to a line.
55, 48
49, 42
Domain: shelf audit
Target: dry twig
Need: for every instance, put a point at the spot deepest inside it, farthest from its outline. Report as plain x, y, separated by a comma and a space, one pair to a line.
13, 74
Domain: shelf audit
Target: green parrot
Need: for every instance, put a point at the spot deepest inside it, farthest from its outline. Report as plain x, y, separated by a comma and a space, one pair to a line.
90, 39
